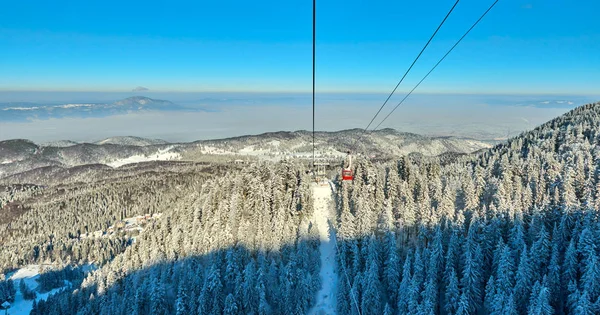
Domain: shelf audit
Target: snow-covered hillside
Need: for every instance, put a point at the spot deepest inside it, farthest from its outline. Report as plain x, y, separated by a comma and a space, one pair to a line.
29, 274
19, 156
135, 141
160, 155
386, 143
272, 151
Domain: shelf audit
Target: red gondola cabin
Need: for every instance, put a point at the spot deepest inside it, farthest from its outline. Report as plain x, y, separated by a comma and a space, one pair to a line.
347, 171
347, 174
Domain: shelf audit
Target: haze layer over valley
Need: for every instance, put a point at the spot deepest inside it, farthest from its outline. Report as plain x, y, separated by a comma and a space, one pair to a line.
184, 117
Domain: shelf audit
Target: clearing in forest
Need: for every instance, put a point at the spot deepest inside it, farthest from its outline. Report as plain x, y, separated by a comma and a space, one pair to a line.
324, 213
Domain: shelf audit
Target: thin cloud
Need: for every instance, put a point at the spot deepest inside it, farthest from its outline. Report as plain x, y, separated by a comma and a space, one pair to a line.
140, 89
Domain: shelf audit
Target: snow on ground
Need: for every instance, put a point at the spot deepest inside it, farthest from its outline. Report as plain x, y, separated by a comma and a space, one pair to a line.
250, 150
323, 215
264, 154
207, 149
272, 151
125, 225
161, 155
299, 145
475, 145
29, 274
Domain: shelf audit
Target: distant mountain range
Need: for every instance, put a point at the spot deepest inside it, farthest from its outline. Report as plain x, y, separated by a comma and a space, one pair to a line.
27, 110
19, 155
127, 140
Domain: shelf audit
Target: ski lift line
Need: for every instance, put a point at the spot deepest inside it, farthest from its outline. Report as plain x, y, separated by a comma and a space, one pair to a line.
438, 63
410, 68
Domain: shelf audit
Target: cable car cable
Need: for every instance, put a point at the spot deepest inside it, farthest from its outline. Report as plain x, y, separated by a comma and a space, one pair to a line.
313, 75
410, 68
438, 63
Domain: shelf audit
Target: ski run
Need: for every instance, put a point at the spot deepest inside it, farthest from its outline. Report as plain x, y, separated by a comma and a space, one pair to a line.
323, 215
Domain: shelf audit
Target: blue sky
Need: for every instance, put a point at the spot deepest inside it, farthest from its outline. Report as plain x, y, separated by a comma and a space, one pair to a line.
522, 46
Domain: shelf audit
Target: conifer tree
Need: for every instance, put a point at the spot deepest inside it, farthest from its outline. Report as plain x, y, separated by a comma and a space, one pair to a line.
231, 307
391, 273
452, 293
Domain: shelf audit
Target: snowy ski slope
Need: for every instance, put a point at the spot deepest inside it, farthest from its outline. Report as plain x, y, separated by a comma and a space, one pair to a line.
324, 213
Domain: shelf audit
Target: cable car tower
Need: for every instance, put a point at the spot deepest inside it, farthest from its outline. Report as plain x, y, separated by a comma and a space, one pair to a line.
321, 174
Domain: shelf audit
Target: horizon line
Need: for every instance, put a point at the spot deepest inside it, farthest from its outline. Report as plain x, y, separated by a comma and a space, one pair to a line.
355, 92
